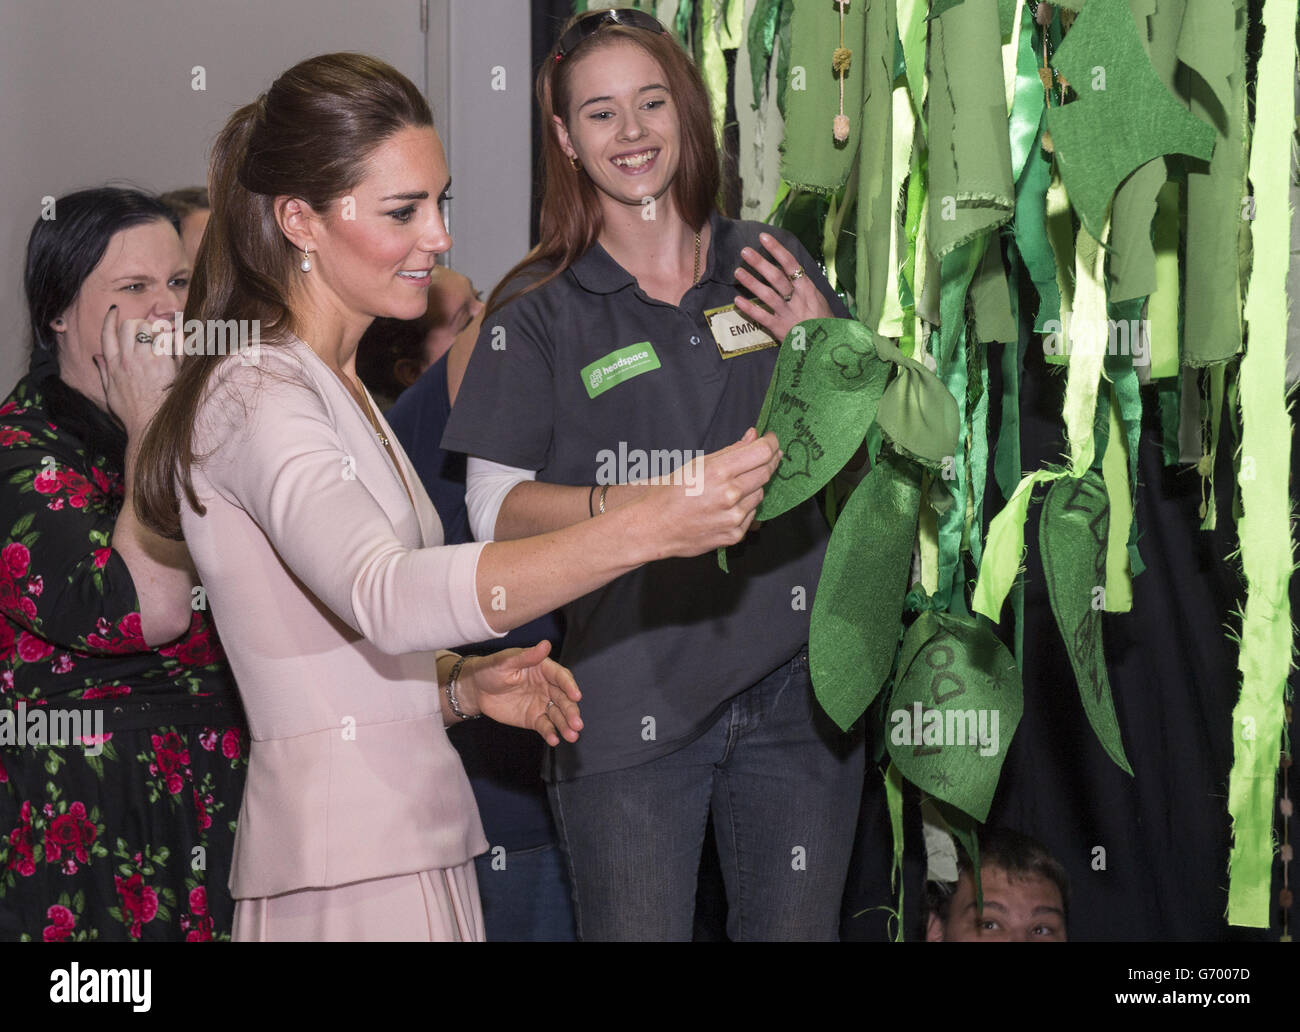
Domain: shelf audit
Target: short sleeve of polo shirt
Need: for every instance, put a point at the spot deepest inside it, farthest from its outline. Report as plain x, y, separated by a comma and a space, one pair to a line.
504, 411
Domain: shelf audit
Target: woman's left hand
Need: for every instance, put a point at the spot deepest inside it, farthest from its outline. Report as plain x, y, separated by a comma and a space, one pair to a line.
790, 295
523, 688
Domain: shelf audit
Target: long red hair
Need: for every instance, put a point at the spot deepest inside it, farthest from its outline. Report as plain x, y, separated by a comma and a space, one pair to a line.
571, 218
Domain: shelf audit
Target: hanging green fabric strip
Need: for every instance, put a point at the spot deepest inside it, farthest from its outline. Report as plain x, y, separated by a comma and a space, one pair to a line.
979, 451
1213, 44
990, 298
762, 40
1130, 347
1030, 230
856, 613
1267, 549
1061, 235
895, 315
1004, 547
956, 705
1072, 538
894, 800
871, 125
1088, 333
1027, 100
1114, 467
1006, 461
953, 487
913, 31
971, 189
1124, 115
1163, 305
713, 68
1205, 468
811, 157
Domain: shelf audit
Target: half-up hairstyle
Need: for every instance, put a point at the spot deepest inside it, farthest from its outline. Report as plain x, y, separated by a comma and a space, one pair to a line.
570, 217
309, 136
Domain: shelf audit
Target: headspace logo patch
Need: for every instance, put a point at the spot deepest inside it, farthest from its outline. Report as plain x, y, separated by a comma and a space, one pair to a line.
619, 366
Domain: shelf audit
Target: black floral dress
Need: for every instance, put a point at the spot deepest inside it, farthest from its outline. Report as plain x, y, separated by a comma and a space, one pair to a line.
121, 766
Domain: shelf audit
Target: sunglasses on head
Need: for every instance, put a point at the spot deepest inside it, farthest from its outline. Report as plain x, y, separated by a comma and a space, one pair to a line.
592, 22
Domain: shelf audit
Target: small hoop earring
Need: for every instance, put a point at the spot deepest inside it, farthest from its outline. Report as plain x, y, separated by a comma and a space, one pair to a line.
306, 261
575, 164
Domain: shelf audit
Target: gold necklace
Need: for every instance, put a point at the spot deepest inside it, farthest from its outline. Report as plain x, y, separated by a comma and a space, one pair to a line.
370, 415
695, 272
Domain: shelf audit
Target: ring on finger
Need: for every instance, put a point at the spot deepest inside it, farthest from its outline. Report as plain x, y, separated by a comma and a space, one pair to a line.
549, 704
797, 274
144, 337
786, 297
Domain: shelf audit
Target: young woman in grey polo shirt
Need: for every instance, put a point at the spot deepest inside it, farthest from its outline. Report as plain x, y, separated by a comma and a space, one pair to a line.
611, 357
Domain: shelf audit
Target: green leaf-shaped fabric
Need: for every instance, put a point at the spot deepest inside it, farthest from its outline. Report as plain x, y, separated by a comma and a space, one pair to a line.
1124, 115
855, 615
1072, 536
821, 400
956, 704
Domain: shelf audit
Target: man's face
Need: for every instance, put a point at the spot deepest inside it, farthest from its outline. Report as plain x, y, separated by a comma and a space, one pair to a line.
1020, 909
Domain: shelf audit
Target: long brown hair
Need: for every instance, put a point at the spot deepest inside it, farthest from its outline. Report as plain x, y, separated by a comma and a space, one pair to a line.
310, 137
570, 218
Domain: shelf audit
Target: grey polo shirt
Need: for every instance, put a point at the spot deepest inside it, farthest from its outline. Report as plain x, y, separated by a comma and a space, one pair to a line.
588, 380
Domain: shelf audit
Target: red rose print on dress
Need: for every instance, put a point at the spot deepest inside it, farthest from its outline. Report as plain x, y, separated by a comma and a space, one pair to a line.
230, 744
132, 638
203, 819
106, 691
61, 924
170, 758
139, 901
198, 923
10, 435
70, 831
16, 560
32, 649
20, 841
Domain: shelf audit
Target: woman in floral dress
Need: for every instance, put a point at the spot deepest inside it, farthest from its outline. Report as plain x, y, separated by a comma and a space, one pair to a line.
126, 831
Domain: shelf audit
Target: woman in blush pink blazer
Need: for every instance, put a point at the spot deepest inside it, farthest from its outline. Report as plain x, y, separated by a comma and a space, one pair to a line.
320, 552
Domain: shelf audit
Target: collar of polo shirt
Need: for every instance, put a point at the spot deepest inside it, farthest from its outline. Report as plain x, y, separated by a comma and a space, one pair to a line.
597, 272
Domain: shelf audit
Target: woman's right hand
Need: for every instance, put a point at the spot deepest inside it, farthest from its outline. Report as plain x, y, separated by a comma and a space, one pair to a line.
711, 505
135, 373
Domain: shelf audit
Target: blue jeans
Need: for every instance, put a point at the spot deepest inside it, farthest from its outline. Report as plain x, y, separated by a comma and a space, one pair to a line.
784, 785
525, 895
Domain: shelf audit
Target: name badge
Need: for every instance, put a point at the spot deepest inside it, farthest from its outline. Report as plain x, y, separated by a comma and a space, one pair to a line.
736, 335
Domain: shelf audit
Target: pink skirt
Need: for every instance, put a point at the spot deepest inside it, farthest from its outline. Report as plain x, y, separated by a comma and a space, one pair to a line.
441, 905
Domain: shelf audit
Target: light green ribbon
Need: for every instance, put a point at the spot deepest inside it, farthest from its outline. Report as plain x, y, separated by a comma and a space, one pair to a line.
1264, 528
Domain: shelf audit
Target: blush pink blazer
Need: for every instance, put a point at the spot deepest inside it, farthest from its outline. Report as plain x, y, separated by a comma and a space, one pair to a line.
332, 595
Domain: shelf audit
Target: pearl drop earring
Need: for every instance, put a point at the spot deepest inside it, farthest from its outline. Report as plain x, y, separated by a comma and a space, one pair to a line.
306, 261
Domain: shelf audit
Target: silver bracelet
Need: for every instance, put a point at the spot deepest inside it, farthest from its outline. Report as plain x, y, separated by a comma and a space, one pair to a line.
451, 692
